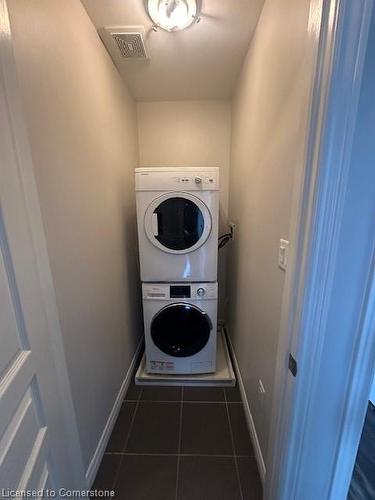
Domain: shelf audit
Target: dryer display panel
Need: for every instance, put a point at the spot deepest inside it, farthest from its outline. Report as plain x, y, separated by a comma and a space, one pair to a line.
181, 329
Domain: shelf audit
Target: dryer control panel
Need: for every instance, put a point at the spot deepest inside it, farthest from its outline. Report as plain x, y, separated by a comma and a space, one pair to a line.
176, 179
179, 291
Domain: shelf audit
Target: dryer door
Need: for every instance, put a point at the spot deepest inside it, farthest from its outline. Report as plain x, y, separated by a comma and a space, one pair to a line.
181, 330
177, 223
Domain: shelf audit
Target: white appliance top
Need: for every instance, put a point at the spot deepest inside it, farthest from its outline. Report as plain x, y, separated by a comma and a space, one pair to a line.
177, 179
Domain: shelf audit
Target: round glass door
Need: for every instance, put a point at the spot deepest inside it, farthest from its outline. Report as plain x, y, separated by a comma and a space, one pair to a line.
181, 330
177, 223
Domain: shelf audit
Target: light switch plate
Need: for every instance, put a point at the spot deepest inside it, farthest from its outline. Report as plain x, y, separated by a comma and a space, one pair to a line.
283, 254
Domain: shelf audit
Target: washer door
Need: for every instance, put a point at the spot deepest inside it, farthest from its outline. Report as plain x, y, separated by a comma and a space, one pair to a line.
177, 223
181, 330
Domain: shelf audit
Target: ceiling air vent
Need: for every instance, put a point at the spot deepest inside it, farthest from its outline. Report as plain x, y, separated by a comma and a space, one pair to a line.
130, 45
129, 40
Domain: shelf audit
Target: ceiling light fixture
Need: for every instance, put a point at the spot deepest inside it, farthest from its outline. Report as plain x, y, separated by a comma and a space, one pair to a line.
173, 15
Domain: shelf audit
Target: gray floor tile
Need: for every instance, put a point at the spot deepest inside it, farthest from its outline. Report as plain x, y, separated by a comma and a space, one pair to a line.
146, 478
241, 436
249, 477
150, 393
207, 478
155, 428
205, 429
233, 394
203, 394
107, 472
121, 428
362, 484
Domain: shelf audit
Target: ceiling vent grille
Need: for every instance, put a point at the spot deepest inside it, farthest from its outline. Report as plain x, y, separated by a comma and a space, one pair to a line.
131, 45
125, 42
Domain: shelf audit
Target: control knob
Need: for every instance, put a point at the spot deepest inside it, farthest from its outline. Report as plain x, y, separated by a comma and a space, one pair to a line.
201, 292
198, 180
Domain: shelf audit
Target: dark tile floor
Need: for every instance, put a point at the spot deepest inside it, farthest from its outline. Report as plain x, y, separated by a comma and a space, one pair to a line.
174, 443
362, 485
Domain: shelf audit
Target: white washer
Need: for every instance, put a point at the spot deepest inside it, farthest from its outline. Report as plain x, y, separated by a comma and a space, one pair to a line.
177, 214
180, 323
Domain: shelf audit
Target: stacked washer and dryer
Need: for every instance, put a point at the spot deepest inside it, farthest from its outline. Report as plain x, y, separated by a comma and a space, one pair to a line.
177, 215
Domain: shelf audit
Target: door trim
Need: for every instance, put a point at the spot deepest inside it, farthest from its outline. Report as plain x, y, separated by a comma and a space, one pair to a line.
317, 215
13, 123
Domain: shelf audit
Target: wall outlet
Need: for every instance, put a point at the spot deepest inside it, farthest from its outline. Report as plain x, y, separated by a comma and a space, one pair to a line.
261, 393
283, 254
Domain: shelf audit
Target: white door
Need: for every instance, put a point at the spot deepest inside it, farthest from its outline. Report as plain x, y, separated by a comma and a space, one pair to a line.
39, 445
328, 313
24, 460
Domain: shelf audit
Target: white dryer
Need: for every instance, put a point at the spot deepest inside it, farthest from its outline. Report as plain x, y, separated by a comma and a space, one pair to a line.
180, 327
177, 214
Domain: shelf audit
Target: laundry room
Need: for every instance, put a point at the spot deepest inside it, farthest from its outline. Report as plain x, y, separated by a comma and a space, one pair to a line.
166, 139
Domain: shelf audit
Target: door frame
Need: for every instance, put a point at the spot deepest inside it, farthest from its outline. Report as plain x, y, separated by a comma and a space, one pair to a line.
13, 124
317, 214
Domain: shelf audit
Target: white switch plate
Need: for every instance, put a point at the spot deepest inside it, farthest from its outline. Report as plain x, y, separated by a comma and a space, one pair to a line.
283, 254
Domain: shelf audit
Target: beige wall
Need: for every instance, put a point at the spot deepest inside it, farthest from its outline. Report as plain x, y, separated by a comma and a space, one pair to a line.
268, 132
83, 133
189, 133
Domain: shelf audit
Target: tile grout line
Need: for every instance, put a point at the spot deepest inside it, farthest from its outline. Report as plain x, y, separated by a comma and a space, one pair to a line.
177, 454
179, 442
233, 447
197, 401
127, 439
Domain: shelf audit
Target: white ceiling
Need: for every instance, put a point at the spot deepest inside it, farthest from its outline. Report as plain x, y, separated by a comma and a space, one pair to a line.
201, 62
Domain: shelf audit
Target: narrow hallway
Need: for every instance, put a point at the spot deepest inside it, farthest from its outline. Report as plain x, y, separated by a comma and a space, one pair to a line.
180, 443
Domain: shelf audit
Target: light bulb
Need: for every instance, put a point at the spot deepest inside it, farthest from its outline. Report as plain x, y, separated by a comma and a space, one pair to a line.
172, 15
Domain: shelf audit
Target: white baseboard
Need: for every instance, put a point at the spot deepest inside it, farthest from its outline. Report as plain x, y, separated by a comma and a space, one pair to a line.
249, 418
104, 438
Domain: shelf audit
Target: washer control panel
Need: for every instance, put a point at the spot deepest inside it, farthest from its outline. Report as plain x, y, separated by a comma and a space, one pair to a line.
179, 291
